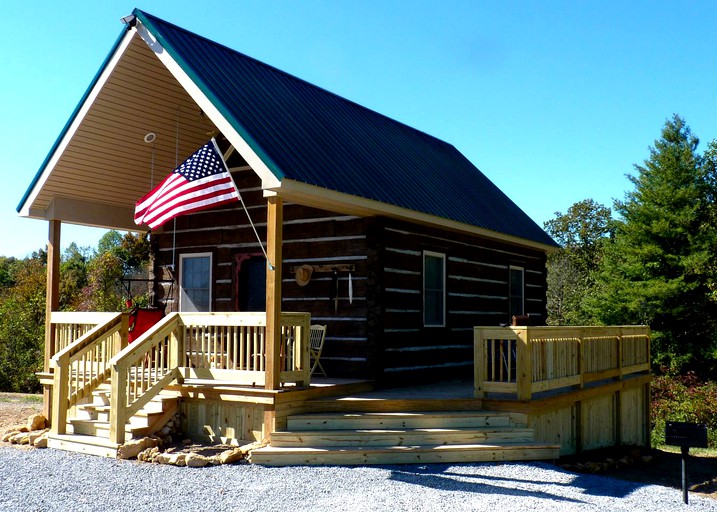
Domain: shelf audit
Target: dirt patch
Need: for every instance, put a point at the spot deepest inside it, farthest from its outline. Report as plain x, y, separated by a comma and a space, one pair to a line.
15, 408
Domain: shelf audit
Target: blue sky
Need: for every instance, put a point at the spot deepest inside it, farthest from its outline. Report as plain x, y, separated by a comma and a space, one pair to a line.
554, 100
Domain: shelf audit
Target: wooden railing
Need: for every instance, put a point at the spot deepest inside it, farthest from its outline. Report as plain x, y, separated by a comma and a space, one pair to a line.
69, 326
238, 342
84, 364
226, 345
521, 361
143, 369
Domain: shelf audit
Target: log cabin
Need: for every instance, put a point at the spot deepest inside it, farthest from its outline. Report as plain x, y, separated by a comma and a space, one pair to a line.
389, 237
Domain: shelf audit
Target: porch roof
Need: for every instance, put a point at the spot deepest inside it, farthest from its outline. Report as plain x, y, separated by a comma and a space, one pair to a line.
303, 141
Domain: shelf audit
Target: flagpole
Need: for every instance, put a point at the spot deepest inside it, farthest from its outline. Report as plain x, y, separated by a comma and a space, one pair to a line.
241, 200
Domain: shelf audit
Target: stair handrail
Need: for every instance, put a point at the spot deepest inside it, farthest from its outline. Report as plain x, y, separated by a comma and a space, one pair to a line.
82, 366
153, 361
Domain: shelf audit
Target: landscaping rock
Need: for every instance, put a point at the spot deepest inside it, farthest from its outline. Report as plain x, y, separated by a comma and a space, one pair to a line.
8, 435
36, 422
231, 456
41, 442
133, 447
194, 460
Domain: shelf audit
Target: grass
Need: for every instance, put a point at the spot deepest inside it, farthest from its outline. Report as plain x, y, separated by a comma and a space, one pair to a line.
697, 452
20, 398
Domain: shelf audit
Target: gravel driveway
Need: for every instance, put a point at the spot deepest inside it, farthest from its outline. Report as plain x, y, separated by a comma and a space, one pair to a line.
47, 480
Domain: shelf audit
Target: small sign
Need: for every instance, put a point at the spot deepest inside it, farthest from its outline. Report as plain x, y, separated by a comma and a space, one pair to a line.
691, 435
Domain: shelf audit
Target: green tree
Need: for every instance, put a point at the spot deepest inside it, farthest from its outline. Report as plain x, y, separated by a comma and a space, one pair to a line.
582, 233
658, 268
73, 275
22, 325
117, 256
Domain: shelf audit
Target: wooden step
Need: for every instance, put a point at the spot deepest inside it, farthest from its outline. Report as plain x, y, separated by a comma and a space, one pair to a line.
83, 444
279, 456
401, 437
348, 404
142, 424
101, 411
97, 428
397, 420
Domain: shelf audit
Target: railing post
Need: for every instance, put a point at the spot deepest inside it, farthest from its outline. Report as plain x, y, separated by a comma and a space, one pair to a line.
304, 359
581, 361
118, 404
61, 382
123, 338
176, 346
620, 347
478, 363
524, 363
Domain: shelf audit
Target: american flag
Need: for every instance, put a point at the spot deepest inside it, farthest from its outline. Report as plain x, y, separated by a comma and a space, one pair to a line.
202, 181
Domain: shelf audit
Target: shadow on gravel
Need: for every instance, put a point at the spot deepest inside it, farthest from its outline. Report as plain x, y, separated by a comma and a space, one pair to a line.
438, 476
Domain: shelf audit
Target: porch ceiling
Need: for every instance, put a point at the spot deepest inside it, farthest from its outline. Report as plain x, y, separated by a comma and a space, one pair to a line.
102, 165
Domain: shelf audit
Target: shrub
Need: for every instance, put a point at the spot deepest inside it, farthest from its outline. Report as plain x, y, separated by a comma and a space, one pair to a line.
683, 398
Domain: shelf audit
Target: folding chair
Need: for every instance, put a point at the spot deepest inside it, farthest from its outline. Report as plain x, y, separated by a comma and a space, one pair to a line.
317, 337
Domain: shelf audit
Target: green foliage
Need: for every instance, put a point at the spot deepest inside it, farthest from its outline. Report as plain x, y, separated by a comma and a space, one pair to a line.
88, 281
683, 398
103, 291
582, 232
22, 326
658, 267
73, 275
117, 256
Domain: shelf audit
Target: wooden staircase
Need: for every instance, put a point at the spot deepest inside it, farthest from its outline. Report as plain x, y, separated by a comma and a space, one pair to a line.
353, 438
88, 431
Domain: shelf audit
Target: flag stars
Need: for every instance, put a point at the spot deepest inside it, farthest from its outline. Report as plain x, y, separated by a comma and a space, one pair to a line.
202, 164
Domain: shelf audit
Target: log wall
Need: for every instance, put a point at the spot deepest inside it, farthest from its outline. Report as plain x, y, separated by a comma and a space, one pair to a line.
477, 274
379, 334
311, 236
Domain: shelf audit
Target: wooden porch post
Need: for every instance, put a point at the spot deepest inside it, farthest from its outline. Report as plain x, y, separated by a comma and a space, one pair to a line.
274, 238
52, 303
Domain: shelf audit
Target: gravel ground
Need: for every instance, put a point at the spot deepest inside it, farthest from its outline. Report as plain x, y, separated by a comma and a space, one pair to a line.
48, 480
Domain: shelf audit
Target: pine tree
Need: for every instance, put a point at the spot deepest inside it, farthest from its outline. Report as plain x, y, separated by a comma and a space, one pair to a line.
658, 269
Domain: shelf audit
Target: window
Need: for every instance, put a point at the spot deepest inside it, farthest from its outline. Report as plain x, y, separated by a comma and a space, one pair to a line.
195, 278
517, 291
434, 289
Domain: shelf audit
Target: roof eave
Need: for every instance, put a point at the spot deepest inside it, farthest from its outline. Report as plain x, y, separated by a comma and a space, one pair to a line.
25, 205
319, 197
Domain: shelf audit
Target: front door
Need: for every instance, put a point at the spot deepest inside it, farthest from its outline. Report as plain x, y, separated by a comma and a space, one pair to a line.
250, 282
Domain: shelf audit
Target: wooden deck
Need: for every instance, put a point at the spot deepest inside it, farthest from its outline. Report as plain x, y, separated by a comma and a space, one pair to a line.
537, 394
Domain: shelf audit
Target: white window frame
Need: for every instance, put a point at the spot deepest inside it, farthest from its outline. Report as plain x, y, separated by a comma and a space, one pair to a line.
441, 256
190, 255
510, 291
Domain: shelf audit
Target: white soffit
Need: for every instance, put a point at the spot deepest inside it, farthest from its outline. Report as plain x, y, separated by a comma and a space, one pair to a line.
257, 164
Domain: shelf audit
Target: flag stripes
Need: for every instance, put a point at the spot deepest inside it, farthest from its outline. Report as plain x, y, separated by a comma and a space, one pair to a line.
201, 182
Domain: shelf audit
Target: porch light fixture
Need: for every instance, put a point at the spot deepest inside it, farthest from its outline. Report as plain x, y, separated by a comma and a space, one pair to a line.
129, 20
149, 138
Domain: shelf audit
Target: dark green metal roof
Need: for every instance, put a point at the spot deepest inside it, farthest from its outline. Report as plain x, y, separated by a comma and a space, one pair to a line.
305, 133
